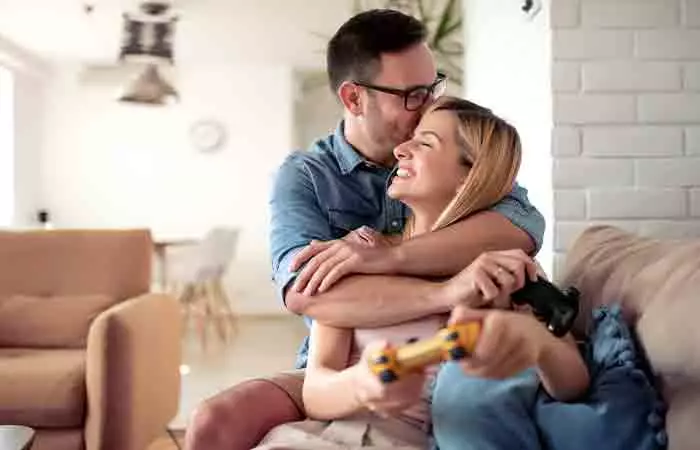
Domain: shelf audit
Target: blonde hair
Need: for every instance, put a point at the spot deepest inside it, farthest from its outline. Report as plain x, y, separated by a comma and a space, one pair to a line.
492, 147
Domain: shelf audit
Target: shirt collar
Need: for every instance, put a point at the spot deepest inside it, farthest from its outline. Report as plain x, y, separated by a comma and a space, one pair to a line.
348, 158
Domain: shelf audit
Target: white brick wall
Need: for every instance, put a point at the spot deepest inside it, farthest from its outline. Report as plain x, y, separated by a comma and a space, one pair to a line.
591, 44
667, 43
629, 13
692, 13
566, 141
692, 141
631, 141
695, 202
620, 76
594, 108
626, 113
691, 76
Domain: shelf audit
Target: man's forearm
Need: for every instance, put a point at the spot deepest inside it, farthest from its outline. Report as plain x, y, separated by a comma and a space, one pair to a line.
370, 301
447, 251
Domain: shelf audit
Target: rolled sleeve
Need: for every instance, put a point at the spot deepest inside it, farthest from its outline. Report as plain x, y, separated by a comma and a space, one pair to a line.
517, 208
296, 219
284, 276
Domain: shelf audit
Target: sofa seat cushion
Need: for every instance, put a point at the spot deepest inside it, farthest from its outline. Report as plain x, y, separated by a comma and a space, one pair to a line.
42, 388
60, 321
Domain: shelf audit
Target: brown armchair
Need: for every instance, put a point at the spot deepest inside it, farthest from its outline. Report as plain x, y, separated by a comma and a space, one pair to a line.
88, 357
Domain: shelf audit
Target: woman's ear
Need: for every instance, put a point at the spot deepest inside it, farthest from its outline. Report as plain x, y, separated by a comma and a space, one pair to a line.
349, 94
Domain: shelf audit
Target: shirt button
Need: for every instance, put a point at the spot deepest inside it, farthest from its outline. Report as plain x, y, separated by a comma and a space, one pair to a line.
394, 223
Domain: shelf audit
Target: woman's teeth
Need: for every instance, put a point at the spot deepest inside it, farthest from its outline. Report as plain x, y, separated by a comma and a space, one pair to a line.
402, 173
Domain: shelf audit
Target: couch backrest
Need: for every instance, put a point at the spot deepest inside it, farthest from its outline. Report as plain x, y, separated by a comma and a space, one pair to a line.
115, 263
657, 281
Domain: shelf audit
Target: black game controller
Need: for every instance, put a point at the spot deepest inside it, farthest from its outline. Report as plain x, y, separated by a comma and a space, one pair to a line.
556, 308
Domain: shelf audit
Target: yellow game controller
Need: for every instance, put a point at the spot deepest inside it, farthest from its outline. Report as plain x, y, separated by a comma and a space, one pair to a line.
452, 343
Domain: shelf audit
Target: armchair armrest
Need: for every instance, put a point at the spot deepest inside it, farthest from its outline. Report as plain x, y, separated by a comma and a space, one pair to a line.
132, 372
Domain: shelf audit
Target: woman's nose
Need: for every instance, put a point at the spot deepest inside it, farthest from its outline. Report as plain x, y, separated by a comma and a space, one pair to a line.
402, 151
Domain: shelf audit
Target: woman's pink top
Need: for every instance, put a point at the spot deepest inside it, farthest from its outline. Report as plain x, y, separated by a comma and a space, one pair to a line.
419, 414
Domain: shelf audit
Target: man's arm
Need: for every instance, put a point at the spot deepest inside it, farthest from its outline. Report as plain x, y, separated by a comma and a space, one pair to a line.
513, 223
370, 301
296, 218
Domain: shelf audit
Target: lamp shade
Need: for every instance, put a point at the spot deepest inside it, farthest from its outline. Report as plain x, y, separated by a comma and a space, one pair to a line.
150, 88
148, 38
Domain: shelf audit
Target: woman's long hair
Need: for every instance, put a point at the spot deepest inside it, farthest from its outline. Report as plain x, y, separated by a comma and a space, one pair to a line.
492, 148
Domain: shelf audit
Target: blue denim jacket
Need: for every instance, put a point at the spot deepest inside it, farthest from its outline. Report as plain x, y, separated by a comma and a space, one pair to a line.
331, 189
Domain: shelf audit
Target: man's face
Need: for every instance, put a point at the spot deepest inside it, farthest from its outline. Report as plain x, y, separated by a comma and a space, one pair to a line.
387, 121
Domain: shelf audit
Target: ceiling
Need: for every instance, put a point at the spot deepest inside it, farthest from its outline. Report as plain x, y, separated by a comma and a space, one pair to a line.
279, 31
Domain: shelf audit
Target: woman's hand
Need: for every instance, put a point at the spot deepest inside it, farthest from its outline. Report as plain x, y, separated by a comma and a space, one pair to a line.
509, 342
362, 251
385, 398
490, 279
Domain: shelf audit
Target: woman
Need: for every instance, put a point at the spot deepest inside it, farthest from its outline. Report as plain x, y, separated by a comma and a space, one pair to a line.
461, 160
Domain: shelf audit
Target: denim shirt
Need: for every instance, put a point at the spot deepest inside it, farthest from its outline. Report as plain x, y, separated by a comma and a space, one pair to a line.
330, 190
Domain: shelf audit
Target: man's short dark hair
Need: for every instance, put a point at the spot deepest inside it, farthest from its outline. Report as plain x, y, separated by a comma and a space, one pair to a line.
355, 49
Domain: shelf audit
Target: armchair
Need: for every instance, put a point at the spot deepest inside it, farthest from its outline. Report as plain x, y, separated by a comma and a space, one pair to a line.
88, 357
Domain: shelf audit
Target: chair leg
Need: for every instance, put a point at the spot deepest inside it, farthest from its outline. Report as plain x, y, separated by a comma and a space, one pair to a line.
214, 310
228, 315
204, 313
186, 298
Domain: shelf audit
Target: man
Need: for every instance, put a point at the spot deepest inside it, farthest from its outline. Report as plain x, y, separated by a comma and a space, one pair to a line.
385, 76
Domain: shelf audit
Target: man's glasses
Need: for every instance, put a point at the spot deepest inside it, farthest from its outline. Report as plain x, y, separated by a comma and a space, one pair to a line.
413, 98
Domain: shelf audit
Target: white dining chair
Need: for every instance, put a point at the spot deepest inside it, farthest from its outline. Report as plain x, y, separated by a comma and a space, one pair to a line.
201, 290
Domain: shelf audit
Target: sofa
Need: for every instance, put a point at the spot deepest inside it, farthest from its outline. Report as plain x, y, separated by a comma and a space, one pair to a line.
88, 357
657, 285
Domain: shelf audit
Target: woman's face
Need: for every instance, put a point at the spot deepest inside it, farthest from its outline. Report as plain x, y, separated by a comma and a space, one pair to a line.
430, 170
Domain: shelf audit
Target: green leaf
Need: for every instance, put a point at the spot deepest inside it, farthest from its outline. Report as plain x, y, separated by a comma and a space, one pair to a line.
446, 23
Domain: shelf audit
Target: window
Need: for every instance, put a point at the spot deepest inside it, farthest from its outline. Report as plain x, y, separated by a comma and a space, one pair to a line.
7, 144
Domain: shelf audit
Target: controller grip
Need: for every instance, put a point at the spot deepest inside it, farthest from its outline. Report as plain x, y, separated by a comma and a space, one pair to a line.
452, 343
556, 308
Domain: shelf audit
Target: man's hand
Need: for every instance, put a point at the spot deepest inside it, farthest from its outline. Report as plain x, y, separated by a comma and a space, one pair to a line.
509, 343
385, 399
362, 251
490, 279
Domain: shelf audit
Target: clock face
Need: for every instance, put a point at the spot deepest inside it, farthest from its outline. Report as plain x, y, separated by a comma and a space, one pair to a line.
208, 135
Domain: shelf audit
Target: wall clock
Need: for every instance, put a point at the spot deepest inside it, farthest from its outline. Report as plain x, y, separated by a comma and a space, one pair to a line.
208, 135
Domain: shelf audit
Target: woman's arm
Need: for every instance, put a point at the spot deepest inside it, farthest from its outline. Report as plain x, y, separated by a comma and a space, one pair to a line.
510, 342
562, 370
329, 390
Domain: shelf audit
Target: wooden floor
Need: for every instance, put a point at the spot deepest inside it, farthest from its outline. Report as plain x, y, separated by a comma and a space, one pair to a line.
262, 346
167, 443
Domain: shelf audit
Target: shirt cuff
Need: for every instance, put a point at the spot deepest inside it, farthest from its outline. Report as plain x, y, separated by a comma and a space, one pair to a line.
283, 276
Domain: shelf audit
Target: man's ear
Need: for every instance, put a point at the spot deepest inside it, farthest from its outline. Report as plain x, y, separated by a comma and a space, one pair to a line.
349, 94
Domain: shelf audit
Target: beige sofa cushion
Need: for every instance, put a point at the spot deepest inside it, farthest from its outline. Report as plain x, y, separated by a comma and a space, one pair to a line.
49, 322
658, 284
656, 281
42, 388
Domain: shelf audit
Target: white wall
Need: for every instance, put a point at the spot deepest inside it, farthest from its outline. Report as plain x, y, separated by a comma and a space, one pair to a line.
108, 164
7, 148
29, 75
507, 69
627, 113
